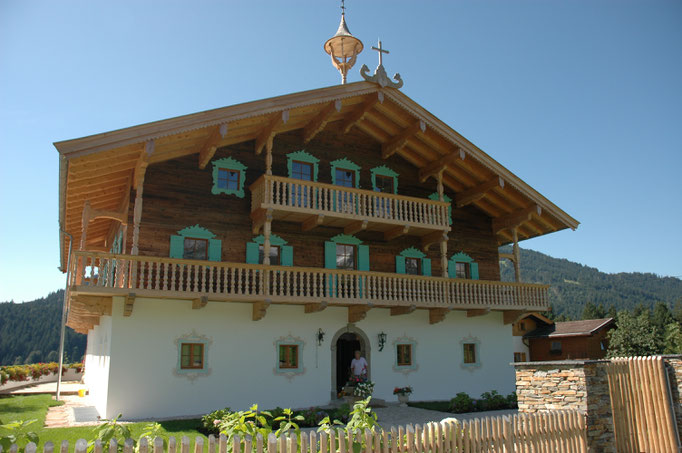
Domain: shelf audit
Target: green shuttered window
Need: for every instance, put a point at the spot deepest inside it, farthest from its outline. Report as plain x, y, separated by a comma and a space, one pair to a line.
254, 251
195, 243
414, 262
462, 265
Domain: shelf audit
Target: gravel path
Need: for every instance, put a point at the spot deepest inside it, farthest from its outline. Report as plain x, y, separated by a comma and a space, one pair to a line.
401, 416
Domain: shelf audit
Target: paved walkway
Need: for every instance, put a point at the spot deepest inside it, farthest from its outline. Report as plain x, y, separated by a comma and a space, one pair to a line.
401, 416
67, 388
76, 411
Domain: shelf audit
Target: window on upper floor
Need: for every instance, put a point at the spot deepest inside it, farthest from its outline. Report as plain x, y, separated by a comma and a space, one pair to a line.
302, 170
346, 257
412, 266
195, 249
384, 184
384, 179
345, 178
345, 173
192, 356
229, 176
461, 270
461, 265
274, 255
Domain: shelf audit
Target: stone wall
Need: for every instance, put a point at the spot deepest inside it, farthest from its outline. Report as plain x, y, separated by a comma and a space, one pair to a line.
582, 385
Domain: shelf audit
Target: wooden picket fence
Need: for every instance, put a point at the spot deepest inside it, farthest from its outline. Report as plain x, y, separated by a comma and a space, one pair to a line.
641, 404
556, 431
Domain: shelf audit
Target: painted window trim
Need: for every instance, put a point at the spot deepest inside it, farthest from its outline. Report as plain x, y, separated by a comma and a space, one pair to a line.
274, 240
384, 171
412, 252
346, 239
192, 373
289, 372
303, 156
195, 231
477, 343
405, 368
434, 196
462, 257
347, 165
230, 164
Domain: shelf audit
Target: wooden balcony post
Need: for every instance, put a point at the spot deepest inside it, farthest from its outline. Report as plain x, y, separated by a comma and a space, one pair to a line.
517, 256
444, 258
137, 216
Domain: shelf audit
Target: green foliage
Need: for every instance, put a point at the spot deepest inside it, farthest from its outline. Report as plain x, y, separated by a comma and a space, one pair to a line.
673, 339
362, 418
364, 389
491, 401
29, 332
152, 431
461, 403
252, 422
633, 336
18, 432
110, 429
211, 421
573, 285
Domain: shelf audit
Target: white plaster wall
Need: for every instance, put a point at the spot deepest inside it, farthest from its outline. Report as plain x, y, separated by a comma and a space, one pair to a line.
242, 357
97, 364
519, 346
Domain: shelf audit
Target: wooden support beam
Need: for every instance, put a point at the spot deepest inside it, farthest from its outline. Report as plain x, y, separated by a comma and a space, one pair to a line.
477, 312
128, 304
268, 133
258, 219
259, 310
477, 192
359, 114
511, 316
142, 163
312, 222
209, 147
314, 308
436, 315
432, 238
396, 232
358, 312
508, 256
515, 218
96, 305
397, 311
517, 255
355, 227
432, 169
318, 123
199, 302
398, 142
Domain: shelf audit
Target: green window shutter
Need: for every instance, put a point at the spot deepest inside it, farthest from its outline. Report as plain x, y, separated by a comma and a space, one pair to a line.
287, 255
400, 264
330, 255
215, 250
452, 269
363, 257
473, 269
177, 246
426, 267
251, 253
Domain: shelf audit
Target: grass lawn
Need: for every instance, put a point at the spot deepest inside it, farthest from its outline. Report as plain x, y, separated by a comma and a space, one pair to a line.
34, 407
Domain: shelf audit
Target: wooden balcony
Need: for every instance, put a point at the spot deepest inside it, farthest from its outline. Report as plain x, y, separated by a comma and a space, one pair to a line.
312, 204
103, 274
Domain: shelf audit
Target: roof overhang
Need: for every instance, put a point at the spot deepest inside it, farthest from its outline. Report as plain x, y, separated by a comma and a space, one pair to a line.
101, 168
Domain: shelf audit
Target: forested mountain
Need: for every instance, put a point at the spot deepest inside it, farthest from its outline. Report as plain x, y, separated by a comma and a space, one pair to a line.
29, 332
574, 285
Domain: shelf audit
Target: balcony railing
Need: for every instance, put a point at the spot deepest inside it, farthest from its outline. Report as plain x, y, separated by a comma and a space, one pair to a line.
109, 274
296, 200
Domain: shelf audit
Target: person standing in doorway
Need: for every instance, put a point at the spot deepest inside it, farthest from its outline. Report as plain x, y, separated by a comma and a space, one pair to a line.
359, 368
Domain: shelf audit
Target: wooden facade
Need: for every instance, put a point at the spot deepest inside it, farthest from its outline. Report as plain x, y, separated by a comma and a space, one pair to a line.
587, 339
143, 185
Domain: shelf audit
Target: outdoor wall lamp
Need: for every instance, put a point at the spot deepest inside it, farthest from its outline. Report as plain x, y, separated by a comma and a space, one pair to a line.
320, 336
382, 341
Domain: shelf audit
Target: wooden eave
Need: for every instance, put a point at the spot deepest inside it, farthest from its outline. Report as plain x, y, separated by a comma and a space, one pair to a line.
100, 168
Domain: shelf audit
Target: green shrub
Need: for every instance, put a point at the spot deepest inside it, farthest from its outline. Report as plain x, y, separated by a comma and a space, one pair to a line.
491, 401
462, 403
17, 432
512, 401
210, 421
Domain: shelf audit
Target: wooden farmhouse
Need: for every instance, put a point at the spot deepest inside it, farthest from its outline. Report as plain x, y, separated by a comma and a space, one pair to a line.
241, 255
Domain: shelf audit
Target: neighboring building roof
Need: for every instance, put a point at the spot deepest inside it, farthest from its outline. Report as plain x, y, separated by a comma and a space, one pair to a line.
101, 168
537, 316
582, 328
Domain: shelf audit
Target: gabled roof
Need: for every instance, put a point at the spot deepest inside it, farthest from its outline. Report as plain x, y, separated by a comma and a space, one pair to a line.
100, 168
582, 328
537, 316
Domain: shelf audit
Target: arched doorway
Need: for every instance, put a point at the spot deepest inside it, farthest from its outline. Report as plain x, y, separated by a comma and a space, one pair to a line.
343, 345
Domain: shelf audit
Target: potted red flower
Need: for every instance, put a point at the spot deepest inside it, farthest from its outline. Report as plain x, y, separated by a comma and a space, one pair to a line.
403, 394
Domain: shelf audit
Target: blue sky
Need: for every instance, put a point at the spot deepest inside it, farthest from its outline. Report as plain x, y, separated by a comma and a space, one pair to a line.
581, 99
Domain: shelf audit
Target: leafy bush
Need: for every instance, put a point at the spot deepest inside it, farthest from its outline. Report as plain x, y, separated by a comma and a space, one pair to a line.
491, 401
461, 403
512, 401
110, 429
4, 377
252, 422
210, 421
362, 418
17, 432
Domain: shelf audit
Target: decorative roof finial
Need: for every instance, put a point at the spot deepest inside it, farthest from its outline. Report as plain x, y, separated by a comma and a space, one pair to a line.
380, 75
343, 47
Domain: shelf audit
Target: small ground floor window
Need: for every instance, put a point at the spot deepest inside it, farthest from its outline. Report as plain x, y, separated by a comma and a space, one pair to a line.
469, 350
519, 357
404, 352
192, 356
288, 356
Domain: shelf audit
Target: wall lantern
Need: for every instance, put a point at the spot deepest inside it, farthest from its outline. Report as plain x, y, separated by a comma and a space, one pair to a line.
320, 336
382, 341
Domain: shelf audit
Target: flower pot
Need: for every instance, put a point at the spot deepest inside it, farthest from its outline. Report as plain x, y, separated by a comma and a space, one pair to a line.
403, 399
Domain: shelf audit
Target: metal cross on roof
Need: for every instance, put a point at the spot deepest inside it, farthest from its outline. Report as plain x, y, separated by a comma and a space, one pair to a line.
381, 50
